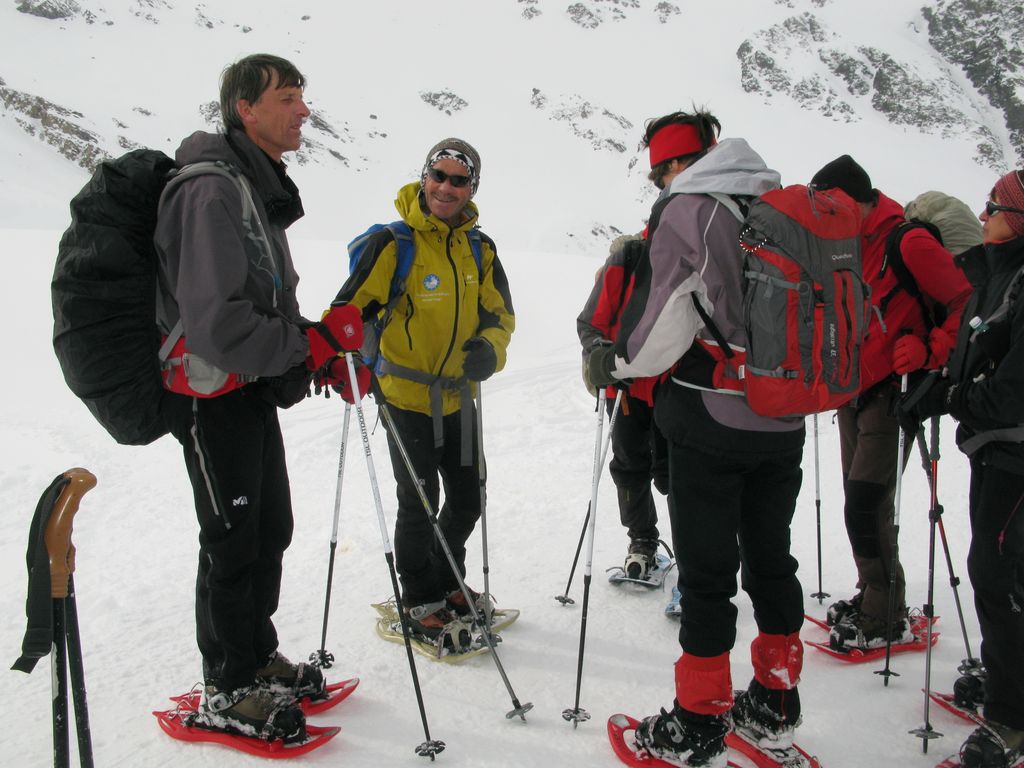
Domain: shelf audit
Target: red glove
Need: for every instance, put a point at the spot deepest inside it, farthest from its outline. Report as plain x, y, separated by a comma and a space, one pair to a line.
941, 344
908, 354
340, 330
337, 377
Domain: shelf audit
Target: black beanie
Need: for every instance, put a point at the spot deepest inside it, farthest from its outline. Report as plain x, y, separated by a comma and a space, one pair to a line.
843, 172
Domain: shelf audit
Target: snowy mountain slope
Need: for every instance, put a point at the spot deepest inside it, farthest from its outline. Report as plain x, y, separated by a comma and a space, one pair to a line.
554, 95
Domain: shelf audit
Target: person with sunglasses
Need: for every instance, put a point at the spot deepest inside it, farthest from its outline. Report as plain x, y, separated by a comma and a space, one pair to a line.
983, 389
447, 330
901, 340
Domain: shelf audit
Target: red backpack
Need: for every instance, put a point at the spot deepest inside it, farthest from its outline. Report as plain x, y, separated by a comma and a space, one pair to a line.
806, 306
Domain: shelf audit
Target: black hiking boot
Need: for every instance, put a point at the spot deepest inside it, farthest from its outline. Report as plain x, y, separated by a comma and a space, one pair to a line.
767, 717
840, 609
288, 680
969, 691
864, 632
685, 738
640, 558
993, 746
251, 710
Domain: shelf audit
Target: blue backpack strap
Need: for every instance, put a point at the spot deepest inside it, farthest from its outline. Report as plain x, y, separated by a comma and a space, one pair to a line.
406, 250
477, 247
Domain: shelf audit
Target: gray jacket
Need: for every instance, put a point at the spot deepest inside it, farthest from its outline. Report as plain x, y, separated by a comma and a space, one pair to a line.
695, 250
238, 309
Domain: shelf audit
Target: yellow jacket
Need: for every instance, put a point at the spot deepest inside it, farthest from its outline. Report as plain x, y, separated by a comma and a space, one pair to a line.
447, 301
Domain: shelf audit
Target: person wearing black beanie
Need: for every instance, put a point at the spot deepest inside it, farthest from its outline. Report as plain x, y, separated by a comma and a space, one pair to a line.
903, 340
845, 173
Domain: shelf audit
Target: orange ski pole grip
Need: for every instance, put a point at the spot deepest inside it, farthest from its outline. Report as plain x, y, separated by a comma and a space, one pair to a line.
59, 528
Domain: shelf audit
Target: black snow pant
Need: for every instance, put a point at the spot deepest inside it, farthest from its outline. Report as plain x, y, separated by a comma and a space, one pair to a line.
869, 443
422, 566
995, 564
731, 512
639, 456
235, 459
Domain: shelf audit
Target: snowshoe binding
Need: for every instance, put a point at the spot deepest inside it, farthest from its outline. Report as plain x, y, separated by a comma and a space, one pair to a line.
767, 718
993, 746
640, 559
436, 622
842, 609
861, 632
644, 565
250, 711
292, 682
684, 738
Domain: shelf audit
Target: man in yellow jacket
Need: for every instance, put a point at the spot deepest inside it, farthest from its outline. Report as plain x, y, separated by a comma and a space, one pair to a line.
447, 330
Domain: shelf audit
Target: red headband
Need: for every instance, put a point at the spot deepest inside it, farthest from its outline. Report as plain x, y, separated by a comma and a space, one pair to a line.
675, 140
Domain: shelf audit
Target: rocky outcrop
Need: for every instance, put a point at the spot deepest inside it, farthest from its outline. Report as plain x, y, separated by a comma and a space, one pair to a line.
600, 127
800, 59
983, 38
55, 9
444, 101
61, 128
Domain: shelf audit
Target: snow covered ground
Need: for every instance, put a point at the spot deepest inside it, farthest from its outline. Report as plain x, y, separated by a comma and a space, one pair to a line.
136, 541
369, 65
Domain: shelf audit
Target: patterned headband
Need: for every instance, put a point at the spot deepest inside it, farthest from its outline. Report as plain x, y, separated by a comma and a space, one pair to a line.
453, 154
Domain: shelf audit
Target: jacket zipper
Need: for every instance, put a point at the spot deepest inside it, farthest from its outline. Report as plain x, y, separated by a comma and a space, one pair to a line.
455, 283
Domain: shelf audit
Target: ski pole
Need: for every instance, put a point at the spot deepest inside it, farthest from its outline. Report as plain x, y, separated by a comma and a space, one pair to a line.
972, 663
821, 595
322, 658
429, 748
67, 645
894, 560
483, 505
577, 714
926, 732
518, 710
564, 598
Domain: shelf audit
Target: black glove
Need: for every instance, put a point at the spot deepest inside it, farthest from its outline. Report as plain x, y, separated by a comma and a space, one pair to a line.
481, 359
597, 372
289, 388
934, 396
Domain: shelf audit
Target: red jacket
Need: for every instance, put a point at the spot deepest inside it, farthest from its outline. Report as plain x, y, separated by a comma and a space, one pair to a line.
602, 316
932, 266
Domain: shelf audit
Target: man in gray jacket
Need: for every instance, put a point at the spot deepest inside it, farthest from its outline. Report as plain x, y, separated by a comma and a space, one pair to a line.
734, 476
228, 299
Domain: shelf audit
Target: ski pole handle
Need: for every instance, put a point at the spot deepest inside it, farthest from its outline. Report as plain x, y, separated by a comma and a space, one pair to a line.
59, 529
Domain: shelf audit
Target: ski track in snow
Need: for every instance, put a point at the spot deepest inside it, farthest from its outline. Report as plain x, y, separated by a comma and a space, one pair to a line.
135, 535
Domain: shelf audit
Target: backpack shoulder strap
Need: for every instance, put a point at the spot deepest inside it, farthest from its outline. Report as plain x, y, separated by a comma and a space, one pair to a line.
893, 258
406, 251
475, 244
254, 230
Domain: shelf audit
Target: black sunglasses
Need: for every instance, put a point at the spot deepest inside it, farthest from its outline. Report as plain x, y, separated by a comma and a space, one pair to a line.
991, 209
441, 177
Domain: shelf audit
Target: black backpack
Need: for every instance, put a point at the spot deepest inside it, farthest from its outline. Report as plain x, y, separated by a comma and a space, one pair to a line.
104, 291
934, 314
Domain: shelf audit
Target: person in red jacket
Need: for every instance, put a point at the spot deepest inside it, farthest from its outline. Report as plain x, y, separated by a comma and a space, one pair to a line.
901, 341
639, 454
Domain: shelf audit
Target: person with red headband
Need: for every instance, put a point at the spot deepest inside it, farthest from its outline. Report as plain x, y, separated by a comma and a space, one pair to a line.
983, 388
734, 476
